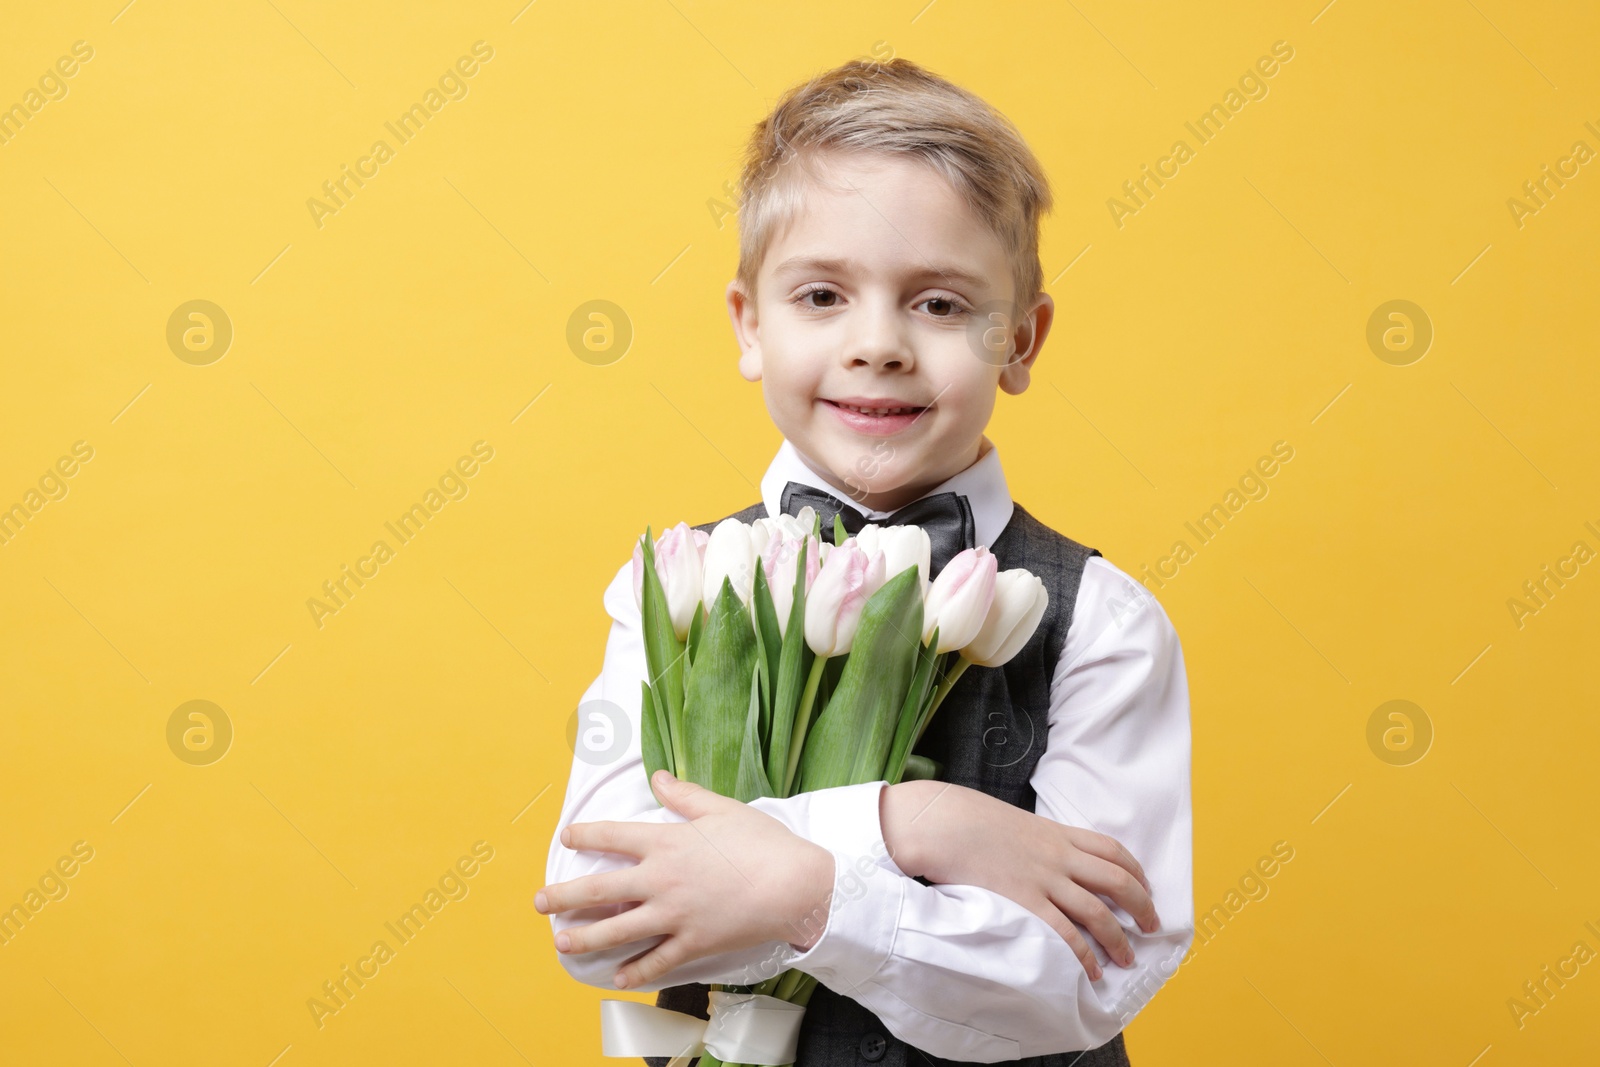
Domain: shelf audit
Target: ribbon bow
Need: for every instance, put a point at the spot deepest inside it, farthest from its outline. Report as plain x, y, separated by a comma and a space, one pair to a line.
947, 517
743, 1028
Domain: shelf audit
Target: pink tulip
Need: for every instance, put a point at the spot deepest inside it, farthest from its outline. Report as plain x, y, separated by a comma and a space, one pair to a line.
959, 599
680, 571
779, 563
849, 576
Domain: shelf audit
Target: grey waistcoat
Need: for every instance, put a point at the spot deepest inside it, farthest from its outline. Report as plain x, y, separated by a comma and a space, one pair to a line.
989, 733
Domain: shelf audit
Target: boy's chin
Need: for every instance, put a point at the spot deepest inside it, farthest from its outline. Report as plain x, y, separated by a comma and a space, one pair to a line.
866, 469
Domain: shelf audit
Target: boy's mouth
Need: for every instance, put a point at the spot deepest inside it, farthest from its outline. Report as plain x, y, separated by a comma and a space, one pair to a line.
878, 416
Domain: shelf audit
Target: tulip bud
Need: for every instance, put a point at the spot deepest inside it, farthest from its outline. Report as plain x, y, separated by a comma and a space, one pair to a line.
1019, 602
779, 562
679, 556
848, 578
902, 547
730, 553
959, 599
798, 525
763, 532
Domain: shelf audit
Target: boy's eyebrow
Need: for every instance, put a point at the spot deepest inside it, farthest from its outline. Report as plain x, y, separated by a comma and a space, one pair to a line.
830, 265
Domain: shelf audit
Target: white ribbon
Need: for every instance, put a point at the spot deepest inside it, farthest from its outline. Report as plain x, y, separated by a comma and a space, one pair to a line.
743, 1028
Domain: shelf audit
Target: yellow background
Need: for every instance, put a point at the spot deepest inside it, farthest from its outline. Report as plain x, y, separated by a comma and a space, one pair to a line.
585, 163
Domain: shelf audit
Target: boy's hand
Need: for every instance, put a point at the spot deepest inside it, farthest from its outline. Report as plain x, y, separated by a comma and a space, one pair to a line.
953, 835
730, 878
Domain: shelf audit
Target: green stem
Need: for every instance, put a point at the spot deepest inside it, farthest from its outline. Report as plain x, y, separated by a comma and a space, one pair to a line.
791, 982
802, 995
680, 763
802, 722
945, 683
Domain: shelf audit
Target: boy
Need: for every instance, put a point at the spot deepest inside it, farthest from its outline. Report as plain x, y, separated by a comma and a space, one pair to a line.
888, 222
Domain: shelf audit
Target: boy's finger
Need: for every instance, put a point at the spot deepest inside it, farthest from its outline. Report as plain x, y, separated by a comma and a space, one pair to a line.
1103, 876
627, 838
591, 891
1110, 849
1051, 914
648, 966
1090, 912
631, 925
688, 799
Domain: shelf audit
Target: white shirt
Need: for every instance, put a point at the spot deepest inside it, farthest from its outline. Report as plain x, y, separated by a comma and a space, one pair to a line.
956, 971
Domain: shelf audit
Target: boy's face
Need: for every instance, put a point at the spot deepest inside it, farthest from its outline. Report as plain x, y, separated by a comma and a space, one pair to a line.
879, 295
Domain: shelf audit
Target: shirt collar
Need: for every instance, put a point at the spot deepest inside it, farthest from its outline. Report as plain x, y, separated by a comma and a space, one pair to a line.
983, 484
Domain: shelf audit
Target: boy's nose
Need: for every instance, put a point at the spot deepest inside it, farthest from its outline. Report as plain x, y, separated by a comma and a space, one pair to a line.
877, 339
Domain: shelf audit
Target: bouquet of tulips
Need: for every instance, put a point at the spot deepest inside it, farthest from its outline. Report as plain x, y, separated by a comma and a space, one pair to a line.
781, 663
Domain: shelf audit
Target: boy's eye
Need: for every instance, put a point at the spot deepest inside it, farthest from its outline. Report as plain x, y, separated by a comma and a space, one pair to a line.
821, 291
940, 307
945, 307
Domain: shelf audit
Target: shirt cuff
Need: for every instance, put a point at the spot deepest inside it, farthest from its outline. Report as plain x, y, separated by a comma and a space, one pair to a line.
863, 909
863, 914
842, 818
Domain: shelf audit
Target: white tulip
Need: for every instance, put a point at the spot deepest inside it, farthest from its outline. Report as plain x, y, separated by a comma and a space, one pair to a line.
902, 547
800, 524
1019, 602
731, 554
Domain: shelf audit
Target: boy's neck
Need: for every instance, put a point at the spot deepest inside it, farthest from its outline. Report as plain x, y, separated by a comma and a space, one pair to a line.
899, 497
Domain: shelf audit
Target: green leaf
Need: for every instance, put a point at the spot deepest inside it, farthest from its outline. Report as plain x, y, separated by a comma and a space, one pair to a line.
840, 534
696, 624
663, 652
907, 728
945, 677
752, 779
717, 700
769, 640
922, 768
651, 741
794, 662
851, 740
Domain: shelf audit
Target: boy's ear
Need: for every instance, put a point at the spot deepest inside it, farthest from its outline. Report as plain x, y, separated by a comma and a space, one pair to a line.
1028, 338
742, 312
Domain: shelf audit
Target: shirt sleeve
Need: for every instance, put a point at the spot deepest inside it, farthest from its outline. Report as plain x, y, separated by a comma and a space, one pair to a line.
965, 974
608, 782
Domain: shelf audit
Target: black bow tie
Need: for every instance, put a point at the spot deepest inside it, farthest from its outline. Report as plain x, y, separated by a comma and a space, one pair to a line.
947, 517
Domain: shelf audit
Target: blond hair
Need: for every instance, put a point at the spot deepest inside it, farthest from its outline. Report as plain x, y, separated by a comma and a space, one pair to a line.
899, 108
